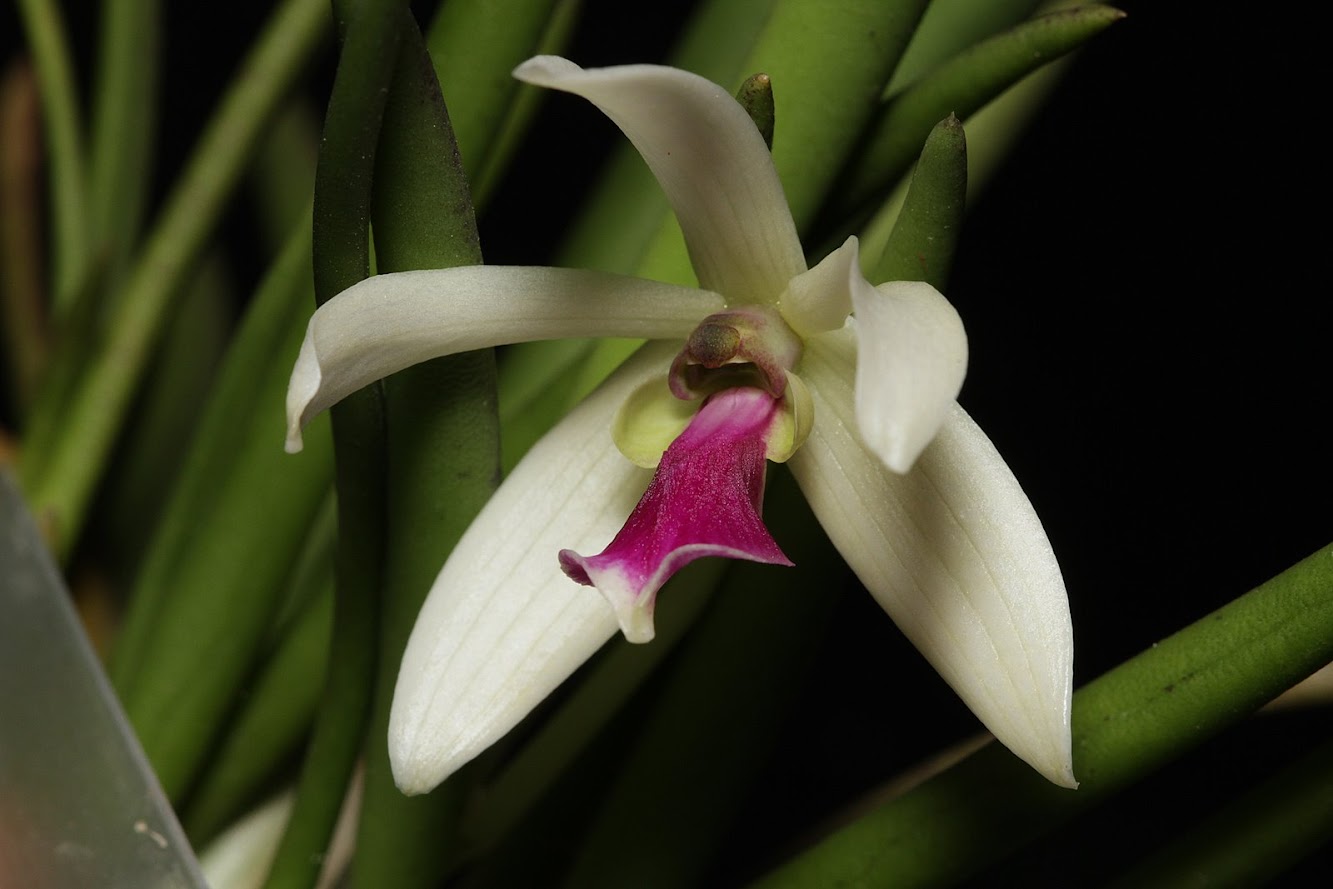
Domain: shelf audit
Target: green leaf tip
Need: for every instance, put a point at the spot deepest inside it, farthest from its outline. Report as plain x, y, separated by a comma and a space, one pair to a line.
756, 97
922, 243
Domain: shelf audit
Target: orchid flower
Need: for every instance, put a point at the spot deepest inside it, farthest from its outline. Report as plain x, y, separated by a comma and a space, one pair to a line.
853, 385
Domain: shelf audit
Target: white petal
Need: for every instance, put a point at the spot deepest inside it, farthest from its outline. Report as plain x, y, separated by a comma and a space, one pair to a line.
954, 552
911, 360
821, 299
389, 322
241, 856
503, 626
709, 159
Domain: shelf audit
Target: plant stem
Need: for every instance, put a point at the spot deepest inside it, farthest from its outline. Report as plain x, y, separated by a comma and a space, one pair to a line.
82, 440
1127, 723
60, 110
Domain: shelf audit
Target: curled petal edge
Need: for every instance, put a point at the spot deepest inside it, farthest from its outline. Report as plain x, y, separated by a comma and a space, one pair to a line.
709, 159
388, 322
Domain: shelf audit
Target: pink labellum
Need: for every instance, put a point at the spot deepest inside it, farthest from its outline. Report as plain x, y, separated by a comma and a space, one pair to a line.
704, 500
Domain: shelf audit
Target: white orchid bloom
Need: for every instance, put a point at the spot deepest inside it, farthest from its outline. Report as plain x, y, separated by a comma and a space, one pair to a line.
853, 384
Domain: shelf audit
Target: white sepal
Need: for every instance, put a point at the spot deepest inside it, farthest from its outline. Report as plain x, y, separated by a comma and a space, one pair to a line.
911, 360
709, 159
388, 322
502, 625
955, 553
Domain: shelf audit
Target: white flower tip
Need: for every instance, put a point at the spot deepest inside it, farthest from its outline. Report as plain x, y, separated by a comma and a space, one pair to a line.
294, 443
1056, 767
911, 360
545, 70
896, 444
420, 759
821, 298
243, 853
632, 602
636, 622
1034, 727
410, 778
301, 392
1047, 747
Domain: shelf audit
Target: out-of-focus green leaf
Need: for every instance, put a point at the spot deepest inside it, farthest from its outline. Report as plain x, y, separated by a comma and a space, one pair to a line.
230, 425
204, 603
959, 87
282, 179
536, 383
75, 455
176, 390
276, 715
474, 45
951, 26
508, 137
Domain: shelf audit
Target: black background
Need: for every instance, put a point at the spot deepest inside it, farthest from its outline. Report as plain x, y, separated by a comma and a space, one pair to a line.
1144, 285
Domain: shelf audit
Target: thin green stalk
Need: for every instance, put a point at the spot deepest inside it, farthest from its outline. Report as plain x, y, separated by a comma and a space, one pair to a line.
215, 609
175, 393
272, 721
829, 64
60, 111
273, 326
951, 26
960, 86
344, 704
124, 119
275, 719
370, 32
443, 446
991, 133
88, 427
513, 128
1128, 722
